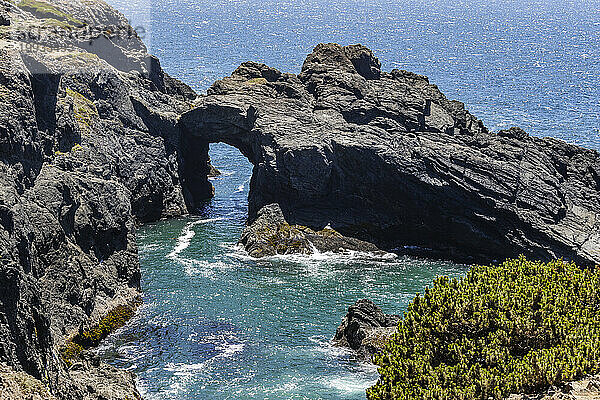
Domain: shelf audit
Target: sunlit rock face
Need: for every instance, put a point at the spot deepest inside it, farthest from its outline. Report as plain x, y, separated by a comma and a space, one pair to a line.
387, 158
88, 148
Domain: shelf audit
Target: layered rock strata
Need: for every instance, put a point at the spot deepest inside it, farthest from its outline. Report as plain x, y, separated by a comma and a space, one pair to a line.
385, 157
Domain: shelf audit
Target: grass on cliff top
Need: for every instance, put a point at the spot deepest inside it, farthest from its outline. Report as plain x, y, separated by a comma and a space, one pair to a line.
518, 327
45, 10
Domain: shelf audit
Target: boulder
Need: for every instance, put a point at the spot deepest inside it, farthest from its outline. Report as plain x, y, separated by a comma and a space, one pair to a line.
271, 235
366, 329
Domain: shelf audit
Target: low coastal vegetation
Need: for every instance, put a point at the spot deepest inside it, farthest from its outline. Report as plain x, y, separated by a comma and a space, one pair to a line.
518, 327
88, 338
42, 9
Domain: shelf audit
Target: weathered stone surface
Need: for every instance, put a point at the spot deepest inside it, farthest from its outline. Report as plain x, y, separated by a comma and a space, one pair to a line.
366, 329
387, 158
270, 235
88, 147
584, 389
102, 381
21, 386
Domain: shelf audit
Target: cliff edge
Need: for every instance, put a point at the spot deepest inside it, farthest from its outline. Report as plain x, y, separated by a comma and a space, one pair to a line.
88, 148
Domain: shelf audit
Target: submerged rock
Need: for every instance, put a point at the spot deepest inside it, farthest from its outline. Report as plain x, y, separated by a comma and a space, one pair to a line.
366, 329
270, 235
385, 157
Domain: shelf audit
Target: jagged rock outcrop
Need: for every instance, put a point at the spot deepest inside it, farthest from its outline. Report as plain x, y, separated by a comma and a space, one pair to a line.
366, 329
21, 386
387, 158
584, 389
88, 147
271, 235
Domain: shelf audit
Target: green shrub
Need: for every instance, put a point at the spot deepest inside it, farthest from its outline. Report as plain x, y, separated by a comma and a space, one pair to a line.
517, 327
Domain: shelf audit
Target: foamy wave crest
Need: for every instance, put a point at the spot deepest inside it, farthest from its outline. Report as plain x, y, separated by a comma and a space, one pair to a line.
202, 267
185, 238
242, 186
345, 257
350, 384
183, 375
318, 259
327, 347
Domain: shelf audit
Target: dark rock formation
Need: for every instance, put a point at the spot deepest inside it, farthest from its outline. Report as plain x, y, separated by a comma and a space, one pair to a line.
270, 235
366, 329
4, 20
88, 147
387, 158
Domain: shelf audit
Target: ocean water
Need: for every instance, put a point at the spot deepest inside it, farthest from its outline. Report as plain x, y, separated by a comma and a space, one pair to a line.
218, 325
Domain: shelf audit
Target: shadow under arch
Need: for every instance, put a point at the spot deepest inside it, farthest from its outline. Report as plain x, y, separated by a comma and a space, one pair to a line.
202, 127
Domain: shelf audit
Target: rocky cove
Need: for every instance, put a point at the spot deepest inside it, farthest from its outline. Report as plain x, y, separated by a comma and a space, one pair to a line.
95, 139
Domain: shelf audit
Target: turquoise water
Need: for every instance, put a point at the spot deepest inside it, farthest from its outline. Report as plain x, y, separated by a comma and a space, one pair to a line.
217, 325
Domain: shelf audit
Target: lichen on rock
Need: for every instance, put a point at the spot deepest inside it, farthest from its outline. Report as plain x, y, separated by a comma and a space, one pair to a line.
270, 234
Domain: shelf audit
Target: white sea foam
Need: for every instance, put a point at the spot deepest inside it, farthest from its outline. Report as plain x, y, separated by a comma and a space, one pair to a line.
230, 349
349, 256
327, 347
204, 268
187, 234
242, 186
316, 257
149, 247
349, 384
183, 242
184, 374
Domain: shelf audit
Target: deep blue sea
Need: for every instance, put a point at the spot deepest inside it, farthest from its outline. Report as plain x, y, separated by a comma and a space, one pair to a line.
218, 325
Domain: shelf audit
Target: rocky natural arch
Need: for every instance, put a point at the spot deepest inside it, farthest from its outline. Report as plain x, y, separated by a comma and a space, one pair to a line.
387, 158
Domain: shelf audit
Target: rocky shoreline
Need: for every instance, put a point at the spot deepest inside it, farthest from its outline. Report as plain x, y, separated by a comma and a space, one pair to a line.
96, 138
88, 149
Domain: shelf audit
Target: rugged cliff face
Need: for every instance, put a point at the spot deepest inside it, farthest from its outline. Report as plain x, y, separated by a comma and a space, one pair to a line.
387, 158
91, 143
88, 147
